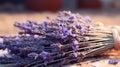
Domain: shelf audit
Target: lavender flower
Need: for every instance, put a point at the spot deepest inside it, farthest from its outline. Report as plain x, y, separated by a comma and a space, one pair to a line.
57, 47
44, 54
69, 32
74, 55
63, 36
71, 17
112, 62
75, 47
87, 19
82, 31
75, 42
64, 29
45, 23
17, 38
60, 27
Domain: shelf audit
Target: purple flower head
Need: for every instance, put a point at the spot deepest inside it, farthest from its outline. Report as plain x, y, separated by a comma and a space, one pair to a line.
60, 27
45, 23
28, 27
57, 45
19, 25
36, 36
44, 54
75, 41
82, 30
75, 47
63, 36
64, 28
87, 19
15, 47
18, 43
17, 38
71, 17
61, 24
74, 54
74, 35
66, 13
78, 15
16, 23
112, 62
31, 36
69, 32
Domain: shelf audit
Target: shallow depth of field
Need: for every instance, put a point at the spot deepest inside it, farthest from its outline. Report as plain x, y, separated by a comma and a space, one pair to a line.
106, 12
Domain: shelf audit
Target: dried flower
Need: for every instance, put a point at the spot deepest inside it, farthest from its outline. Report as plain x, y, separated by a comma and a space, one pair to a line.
75, 47
112, 62
57, 47
82, 31
87, 19
17, 38
44, 54
75, 42
71, 17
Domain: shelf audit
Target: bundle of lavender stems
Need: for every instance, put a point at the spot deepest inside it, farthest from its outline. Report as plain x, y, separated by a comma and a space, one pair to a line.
66, 39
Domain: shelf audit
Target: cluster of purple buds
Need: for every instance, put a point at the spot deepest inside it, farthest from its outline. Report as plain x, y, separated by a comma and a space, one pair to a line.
57, 37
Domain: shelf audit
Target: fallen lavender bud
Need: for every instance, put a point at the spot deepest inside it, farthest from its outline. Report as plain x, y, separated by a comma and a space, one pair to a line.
112, 62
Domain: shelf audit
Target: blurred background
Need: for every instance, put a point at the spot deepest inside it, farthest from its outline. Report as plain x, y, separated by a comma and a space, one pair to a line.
106, 11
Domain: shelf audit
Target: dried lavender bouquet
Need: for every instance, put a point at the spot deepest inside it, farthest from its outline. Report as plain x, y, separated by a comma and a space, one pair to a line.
68, 38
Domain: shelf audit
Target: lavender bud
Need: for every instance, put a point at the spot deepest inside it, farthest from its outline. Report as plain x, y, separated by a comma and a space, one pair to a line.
74, 55
71, 17
64, 29
82, 30
60, 27
17, 38
28, 27
44, 54
112, 62
69, 32
75, 47
63, 36
45, 23
75, 42
87, 19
